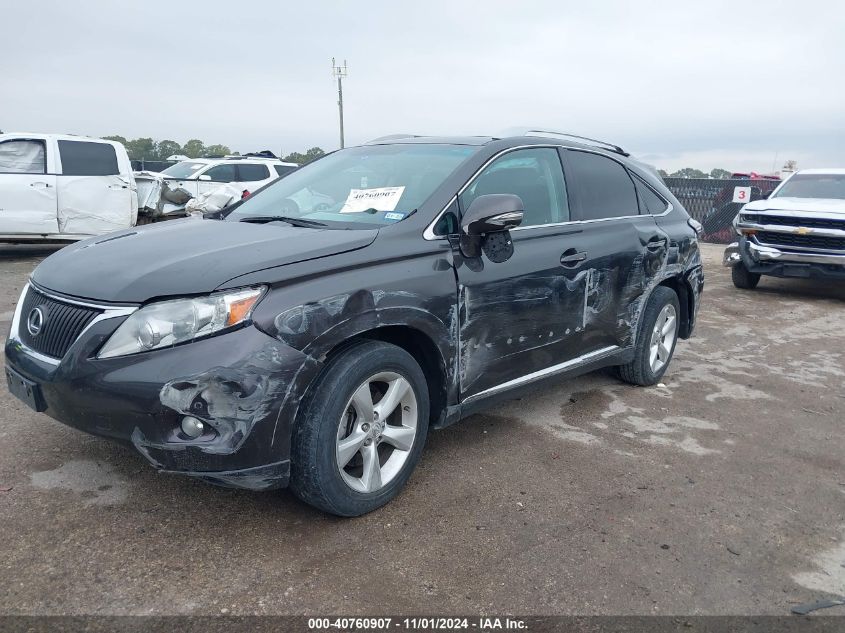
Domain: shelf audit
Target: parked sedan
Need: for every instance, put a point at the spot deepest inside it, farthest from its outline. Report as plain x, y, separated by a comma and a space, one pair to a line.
316, 334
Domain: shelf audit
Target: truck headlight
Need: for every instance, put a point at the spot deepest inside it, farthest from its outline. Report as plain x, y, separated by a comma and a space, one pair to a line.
167, 323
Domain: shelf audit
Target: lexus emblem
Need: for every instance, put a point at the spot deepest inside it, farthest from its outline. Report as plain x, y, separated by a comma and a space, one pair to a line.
35, 321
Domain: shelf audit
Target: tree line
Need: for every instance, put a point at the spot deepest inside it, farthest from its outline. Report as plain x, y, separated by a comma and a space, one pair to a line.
150, 149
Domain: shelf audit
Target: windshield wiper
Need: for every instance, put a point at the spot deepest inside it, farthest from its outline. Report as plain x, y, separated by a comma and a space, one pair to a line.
302, 222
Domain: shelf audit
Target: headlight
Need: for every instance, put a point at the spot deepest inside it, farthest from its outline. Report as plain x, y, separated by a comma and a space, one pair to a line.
170, 322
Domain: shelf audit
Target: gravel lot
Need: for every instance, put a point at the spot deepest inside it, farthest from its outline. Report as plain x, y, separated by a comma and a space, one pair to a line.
720, 492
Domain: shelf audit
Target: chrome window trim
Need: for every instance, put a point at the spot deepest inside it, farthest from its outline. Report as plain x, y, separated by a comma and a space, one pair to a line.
109, 312
542, 373
429, 233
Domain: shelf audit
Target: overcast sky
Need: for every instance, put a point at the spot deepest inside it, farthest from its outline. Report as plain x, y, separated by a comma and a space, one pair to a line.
738, 85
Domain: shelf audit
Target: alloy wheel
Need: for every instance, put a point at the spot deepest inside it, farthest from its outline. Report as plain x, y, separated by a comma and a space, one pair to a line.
662, 338
376, 432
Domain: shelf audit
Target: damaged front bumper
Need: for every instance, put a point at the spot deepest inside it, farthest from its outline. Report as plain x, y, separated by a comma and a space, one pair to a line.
247, 400
768, 260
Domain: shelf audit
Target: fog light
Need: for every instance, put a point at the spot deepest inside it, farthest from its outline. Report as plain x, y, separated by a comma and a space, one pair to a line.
192, 427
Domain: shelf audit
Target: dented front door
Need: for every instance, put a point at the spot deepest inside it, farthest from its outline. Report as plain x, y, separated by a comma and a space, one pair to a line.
523, 315
526, 313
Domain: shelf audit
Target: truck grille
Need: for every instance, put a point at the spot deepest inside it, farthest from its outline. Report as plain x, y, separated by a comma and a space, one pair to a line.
61, 325
779, 220
801, 241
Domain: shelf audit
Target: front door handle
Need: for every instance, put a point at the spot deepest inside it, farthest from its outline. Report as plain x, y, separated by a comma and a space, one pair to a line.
572, 258
40, 185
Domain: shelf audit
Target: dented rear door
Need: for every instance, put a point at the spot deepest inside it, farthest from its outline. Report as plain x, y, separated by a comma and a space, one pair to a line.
94, 193
623, 250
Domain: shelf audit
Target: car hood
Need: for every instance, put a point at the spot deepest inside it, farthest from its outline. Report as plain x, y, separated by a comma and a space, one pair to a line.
184, 257
819, 205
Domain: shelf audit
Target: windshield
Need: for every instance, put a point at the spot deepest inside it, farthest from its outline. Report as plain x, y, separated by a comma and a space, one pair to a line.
185, 169
358, 187
813, 186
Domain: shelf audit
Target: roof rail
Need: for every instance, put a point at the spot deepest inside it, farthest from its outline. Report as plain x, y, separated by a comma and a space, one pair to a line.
390, 137
604, 144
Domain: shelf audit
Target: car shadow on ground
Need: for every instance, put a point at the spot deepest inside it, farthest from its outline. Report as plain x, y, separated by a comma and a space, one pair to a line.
801, 288
27, 251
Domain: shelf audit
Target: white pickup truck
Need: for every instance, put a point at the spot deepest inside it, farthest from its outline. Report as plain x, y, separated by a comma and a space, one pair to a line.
799, 231
57, 187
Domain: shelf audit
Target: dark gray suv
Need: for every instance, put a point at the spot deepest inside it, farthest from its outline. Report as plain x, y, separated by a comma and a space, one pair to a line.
315, 334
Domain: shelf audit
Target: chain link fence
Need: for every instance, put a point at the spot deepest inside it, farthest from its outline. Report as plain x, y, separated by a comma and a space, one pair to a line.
711, 201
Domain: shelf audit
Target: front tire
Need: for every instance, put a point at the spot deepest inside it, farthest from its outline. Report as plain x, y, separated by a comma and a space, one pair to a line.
656, 338
744, 278
361, 431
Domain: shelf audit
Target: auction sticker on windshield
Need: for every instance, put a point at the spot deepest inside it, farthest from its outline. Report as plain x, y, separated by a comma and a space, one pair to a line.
380, 198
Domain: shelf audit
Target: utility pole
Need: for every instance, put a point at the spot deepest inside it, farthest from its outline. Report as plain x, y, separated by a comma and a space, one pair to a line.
340, 72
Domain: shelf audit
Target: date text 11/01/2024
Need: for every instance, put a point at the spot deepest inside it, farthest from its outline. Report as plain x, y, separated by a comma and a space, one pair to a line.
483, 623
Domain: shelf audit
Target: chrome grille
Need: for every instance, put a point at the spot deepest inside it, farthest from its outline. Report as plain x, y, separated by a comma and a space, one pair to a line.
62, 323
796, 221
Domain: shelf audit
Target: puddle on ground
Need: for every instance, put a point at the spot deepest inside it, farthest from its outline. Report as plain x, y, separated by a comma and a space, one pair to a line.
97, 483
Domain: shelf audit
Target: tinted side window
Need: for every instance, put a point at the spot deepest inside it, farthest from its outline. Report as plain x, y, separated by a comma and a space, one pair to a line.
284, 170
84, 158
23, 157
535, 175
251, 173
221, 173
606, 190
653, 203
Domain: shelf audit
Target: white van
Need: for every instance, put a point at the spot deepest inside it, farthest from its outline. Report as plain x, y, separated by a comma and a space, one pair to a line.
62, 187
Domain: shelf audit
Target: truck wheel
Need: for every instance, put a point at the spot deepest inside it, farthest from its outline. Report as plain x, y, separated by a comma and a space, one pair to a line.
656, 338
361, 430
744, 278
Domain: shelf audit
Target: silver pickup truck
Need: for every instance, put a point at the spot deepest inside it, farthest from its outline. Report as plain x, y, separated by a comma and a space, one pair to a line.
798, 231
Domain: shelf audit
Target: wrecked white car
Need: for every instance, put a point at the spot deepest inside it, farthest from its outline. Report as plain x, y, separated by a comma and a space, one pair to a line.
166, 194
56, 187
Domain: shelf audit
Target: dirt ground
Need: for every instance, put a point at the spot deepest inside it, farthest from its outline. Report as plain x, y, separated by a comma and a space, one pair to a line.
721, 491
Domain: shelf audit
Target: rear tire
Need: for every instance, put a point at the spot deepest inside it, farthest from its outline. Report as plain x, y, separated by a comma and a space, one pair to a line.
744, 278
361, 430
656, 338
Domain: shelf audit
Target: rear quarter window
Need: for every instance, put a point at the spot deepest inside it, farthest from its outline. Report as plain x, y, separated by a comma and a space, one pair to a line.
649, 200
85, 158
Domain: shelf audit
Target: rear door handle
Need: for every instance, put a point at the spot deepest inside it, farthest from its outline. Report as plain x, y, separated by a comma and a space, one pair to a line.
656, 245
571, 258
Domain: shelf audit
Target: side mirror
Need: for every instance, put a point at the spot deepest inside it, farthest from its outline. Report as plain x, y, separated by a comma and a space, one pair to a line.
204, 178
492, 213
